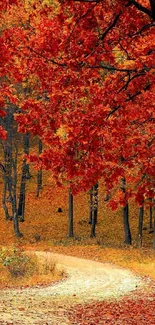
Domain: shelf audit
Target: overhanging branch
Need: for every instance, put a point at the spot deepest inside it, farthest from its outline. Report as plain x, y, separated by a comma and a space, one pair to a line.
142, 8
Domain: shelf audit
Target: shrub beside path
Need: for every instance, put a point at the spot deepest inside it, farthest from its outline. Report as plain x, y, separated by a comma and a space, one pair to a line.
49, 305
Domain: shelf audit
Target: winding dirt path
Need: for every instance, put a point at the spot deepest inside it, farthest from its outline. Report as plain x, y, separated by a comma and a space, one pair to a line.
87, 280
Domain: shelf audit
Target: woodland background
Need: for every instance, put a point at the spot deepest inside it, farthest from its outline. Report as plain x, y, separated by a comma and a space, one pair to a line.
77, 123
77, 143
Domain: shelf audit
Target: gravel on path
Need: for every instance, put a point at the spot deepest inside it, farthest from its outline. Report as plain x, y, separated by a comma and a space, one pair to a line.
86, 281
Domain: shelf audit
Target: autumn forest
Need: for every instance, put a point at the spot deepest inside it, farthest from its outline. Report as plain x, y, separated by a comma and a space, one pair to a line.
77, 137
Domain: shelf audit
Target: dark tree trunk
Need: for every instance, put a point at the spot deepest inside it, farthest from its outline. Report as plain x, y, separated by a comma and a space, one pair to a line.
16, 225
127, 232
24, 176
152, 4
22, 195
93, 226
26, 145
10, 167
91, 206
96, 202
39, 175
8, 124
94, 211
70, 215
140, 226
7, 216
14, 194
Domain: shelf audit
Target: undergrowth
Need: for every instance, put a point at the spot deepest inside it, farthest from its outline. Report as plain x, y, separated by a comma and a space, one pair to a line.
18, 268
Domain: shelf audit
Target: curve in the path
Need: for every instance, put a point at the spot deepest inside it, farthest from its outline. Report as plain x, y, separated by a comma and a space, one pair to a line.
87, 280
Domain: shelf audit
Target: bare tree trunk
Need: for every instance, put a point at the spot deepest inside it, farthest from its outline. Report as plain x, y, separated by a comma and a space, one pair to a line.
70, 214
14, 202
91, 206
10, 166
8, 163
7, 216
26, 146
126, 225
22, 195
24, 176
152, 4
93, 226
127, 232
39, 176
94, 211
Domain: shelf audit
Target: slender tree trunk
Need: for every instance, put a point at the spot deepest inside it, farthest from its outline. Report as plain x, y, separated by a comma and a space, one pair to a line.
14, 201
93, 226
94, 211
26, 146
39, 175
24, 176
140, 226
7, 216
13, 187
152, 4
10, 167
70, 215
8, 163
22, 195
91, 206
96, 202
127, 232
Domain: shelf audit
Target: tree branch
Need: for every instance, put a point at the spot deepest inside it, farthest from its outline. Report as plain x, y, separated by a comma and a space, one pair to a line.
152, 4
45, 58
110, 68
142, 8
113, 24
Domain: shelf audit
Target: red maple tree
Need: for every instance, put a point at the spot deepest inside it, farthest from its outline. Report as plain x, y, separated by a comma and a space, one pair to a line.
92, 66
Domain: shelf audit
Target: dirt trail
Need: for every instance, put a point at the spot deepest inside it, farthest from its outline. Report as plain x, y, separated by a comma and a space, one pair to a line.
87, 280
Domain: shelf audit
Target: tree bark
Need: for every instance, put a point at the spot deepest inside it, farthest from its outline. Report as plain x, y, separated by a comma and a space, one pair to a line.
93, 226
8, 125
26, 146
25, 175
152, 4
70, 215
14, 194
127, 232
11, 166
22, 195
94, 211
91, 206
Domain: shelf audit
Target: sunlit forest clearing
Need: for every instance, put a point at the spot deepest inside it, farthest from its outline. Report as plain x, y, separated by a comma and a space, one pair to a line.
44, 228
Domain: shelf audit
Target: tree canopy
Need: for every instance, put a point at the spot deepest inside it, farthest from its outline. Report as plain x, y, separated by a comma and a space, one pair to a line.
82, 73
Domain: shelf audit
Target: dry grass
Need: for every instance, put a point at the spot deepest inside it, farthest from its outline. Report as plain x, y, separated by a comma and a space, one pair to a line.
22, 269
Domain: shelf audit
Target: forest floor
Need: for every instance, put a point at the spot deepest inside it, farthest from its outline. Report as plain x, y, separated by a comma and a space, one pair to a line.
66, 302
45, 229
